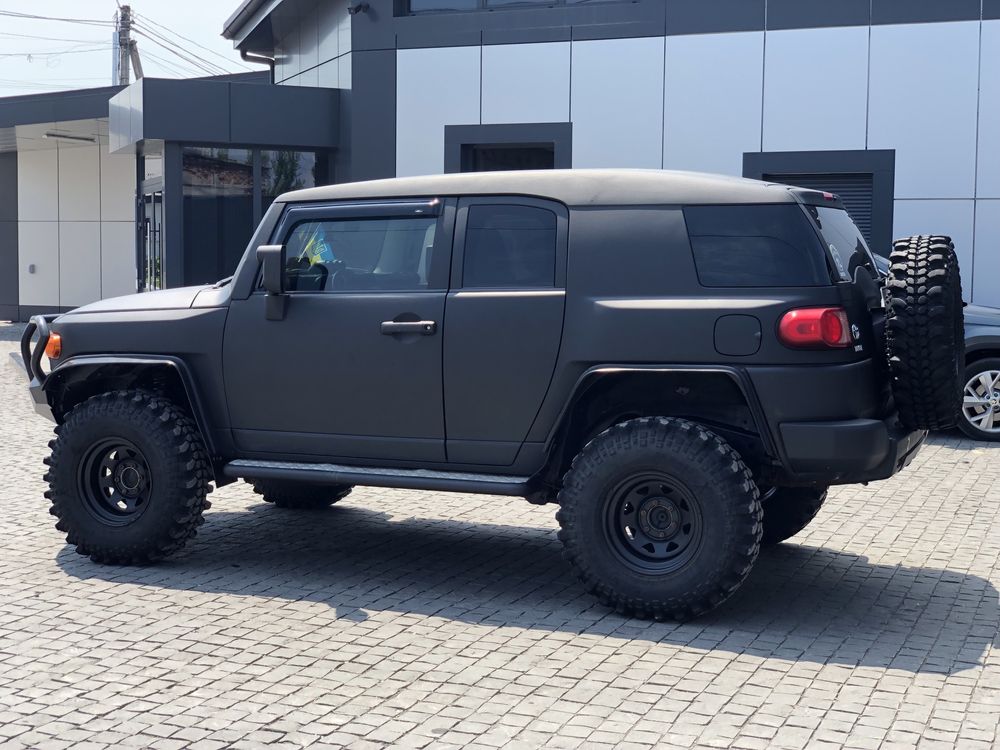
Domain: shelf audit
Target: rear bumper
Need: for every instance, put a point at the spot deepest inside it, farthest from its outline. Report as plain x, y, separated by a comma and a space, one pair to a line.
849, 451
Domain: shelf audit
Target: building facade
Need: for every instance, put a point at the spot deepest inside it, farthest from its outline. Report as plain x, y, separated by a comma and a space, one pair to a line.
894, 104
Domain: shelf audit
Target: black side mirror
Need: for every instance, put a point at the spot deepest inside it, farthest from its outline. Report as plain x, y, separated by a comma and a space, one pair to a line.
272, 260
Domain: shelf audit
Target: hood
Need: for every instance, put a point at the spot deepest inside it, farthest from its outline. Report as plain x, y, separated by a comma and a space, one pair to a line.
164, 299
983, 316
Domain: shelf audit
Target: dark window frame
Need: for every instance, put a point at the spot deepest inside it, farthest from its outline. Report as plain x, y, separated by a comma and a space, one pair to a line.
557, 134
880, 163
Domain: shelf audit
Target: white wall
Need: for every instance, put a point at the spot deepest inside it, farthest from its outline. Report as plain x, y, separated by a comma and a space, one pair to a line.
816, 89
617, 103
923, 103
989, 115
951, 217
76, 225
713, 102
422, 111
526, 83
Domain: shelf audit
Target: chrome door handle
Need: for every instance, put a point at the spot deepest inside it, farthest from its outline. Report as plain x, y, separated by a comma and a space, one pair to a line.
423, 327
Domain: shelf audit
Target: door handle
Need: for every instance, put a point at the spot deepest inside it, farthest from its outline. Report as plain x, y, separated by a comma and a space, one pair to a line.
423, 327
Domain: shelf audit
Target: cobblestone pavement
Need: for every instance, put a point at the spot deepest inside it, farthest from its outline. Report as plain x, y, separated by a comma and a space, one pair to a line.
411, 619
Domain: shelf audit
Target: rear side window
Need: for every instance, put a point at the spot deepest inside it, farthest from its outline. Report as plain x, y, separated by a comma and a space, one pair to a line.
509, 246
755, 246
847, 245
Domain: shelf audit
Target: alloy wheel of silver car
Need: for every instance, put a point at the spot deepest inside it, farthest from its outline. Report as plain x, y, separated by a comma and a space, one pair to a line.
981, 403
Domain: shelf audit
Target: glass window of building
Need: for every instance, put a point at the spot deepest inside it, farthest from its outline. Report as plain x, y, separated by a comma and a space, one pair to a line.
281, 171
218, 210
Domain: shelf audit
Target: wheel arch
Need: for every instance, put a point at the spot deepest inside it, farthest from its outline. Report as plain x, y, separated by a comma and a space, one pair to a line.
74, 381
719, 397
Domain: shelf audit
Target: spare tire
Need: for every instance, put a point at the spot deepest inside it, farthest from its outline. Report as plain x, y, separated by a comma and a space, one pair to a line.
925, 332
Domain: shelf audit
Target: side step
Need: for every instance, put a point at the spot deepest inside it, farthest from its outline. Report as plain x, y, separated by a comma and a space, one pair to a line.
370, 476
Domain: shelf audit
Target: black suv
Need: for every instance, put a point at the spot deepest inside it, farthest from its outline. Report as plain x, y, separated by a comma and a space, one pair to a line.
683, 363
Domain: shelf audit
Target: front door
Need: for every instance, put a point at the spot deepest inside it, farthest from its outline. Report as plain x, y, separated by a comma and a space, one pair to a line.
353, 370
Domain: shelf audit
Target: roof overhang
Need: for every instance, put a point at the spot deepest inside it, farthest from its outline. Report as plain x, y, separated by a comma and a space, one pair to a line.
222, 112
247, 19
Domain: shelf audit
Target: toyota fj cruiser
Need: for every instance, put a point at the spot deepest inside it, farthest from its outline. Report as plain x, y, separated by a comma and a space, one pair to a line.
683, 363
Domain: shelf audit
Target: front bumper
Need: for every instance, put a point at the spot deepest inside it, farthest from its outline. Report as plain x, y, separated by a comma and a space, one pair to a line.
32, 359
849, 451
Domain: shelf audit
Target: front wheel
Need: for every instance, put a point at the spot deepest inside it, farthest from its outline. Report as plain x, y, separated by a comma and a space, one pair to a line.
660, 518
981, 400
128, 477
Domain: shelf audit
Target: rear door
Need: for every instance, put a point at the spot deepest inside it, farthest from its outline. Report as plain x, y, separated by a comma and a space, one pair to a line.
504, 316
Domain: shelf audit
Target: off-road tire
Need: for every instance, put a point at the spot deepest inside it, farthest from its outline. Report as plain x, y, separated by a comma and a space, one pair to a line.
704, 467
178, 469
925, 335
299, 495
788, 510
964, 424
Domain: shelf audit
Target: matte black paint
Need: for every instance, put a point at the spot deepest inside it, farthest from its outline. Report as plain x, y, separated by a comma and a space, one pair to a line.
324, 385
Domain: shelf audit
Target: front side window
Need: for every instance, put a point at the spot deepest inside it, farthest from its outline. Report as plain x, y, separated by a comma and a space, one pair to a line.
755, 246
509, 246
350, 255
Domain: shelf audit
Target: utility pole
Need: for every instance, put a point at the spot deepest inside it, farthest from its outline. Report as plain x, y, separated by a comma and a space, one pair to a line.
124, 44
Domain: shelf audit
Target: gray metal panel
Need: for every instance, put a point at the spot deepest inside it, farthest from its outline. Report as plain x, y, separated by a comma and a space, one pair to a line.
798, 14
991, 9
8, 186
289, 116
168, 107
373, 115
924, 11
560, 134
9, 292
527, 36
81, 104
711, 16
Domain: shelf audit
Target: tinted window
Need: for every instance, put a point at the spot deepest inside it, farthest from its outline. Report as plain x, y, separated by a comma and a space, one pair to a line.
755, 246
510, 246
360, 254
847, 246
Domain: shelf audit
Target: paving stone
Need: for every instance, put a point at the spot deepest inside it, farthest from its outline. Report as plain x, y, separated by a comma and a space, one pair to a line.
416, 620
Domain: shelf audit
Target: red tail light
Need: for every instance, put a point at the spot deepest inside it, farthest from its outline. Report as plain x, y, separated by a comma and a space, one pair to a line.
815, 328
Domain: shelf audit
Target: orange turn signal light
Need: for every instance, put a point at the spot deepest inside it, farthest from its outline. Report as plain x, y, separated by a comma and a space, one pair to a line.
54, 348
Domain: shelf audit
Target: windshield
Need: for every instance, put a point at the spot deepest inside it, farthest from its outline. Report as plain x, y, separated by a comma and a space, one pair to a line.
848, 248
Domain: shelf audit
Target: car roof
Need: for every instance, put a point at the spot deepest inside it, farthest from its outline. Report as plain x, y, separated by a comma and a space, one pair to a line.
574, 187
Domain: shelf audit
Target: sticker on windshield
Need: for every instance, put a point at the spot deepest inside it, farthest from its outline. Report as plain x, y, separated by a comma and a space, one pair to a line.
837, 261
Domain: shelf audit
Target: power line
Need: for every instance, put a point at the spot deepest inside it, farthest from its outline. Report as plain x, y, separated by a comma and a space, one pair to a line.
49, 38
146, 19
172, 66
203, 65
34, 17
54, 53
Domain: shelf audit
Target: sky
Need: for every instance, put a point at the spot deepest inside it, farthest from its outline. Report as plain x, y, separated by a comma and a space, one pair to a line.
73, 55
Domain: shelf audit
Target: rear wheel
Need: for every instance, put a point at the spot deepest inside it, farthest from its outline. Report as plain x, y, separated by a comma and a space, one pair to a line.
788, 510
981, 400
925, 336
299, 495
659, 518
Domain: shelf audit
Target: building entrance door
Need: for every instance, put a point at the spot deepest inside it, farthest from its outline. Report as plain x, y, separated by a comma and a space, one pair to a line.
150, 260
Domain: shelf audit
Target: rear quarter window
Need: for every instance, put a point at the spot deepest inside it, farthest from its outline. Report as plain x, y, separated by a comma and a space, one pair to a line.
755, 246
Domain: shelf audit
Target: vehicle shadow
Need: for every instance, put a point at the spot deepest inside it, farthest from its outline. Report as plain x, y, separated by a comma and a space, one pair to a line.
800, 603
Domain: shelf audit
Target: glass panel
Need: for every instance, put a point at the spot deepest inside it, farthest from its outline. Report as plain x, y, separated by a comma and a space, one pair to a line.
281, 171
152, 241
847, 246
392, 254
490, 157
755, 246
218, 210
510, 246
437, 6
